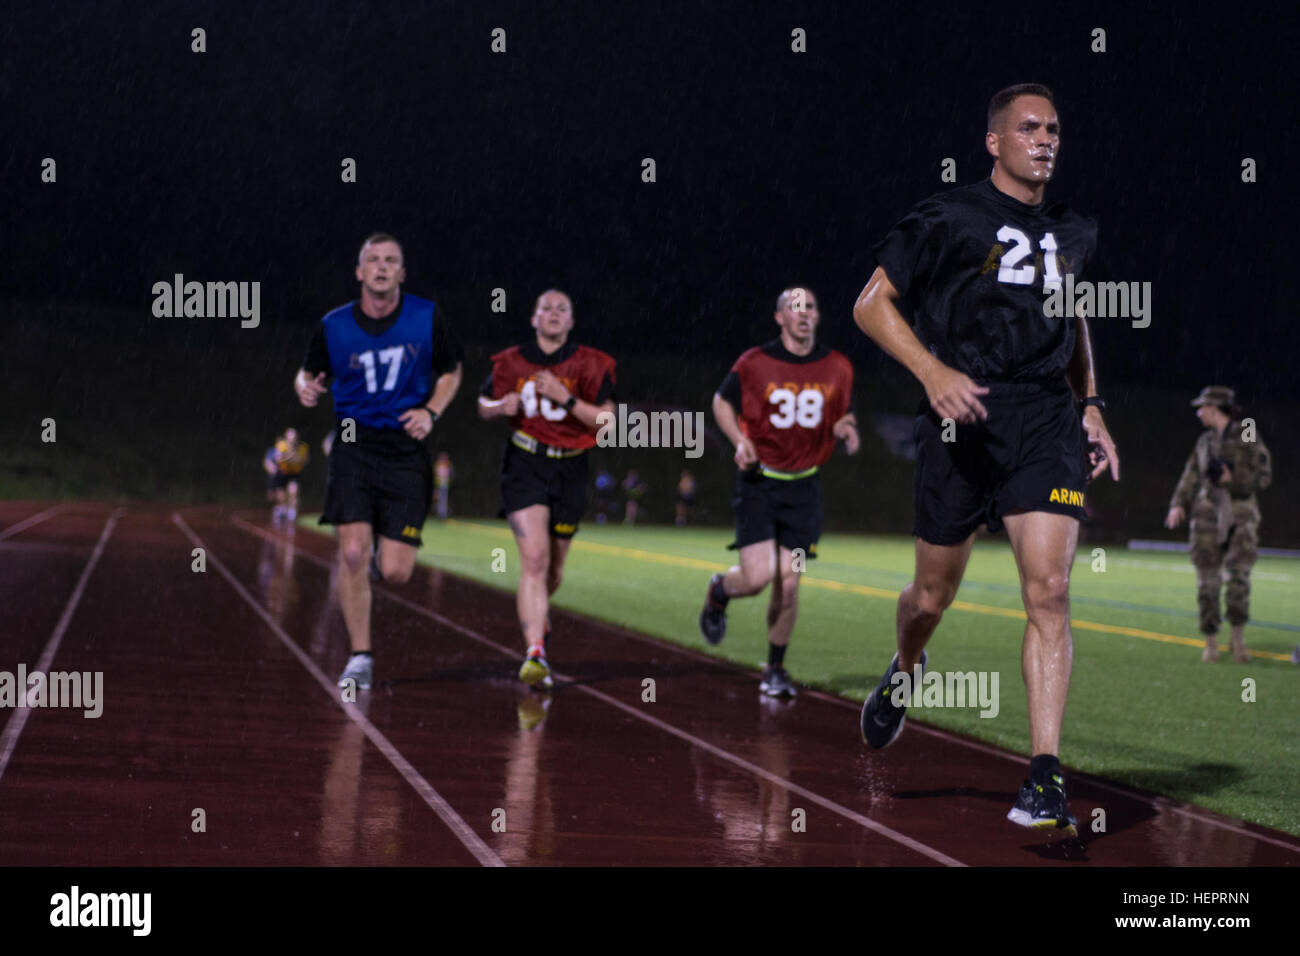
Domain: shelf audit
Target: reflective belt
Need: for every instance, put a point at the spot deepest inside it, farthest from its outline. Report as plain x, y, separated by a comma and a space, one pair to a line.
767, 472
531, 445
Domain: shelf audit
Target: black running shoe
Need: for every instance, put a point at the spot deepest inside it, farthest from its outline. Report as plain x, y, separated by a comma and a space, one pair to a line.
882, 722
713, 619
776, 683
1041, 806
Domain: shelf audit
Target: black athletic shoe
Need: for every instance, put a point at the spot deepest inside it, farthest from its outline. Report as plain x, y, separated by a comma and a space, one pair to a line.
1041, 806
882, 722
713, 619
776, 683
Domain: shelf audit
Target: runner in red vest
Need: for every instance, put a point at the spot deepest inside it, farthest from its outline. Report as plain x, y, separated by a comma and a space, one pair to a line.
783, 405
552, 391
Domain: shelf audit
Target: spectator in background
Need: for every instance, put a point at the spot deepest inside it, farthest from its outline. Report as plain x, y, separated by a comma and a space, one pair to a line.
442, 476
634, 490
685, 496
1225, 469
605, 489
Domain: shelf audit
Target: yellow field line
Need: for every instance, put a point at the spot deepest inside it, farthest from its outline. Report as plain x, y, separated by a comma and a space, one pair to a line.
826, 584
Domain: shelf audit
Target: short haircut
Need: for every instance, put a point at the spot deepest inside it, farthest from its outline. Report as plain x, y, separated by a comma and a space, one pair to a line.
786, 295
538, 304
377, 238
1003, 99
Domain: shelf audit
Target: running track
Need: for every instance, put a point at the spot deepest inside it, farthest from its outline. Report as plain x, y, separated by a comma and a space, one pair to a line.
219, 696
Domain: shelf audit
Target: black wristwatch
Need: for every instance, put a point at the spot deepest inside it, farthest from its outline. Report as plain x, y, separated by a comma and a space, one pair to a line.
573, 400
1094, 400
433, 416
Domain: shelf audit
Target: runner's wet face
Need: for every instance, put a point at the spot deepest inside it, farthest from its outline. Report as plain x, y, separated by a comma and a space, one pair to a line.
380, 270
799, 316
1027, 141
553, 316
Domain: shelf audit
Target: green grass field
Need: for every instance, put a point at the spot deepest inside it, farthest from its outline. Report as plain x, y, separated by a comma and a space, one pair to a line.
1144, 710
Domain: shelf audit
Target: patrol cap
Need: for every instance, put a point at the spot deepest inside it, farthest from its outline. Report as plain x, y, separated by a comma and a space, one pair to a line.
1215, 395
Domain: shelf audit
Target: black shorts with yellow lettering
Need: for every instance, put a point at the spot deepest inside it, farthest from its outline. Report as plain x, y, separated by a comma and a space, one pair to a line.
1029, 455
786, 510
384, 478
559, 483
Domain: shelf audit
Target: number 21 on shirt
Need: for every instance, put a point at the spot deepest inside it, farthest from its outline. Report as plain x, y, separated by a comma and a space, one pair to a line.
1010, 270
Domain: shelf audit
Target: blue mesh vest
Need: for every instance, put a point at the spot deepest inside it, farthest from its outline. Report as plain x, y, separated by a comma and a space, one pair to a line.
377, 377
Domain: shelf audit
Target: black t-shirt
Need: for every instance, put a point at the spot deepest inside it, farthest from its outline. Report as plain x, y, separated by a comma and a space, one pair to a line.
447, 352
973, 265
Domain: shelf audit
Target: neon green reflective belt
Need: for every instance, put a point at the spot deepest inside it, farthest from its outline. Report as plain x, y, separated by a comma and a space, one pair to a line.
767, 472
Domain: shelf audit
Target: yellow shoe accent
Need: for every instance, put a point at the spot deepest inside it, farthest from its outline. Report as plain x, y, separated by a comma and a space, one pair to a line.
534, 670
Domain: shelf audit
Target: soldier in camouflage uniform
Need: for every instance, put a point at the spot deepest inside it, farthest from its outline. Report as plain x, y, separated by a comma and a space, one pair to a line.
1229, 464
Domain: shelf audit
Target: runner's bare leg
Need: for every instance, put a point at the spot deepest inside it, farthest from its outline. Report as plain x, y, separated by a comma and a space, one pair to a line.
939, 570
756, 568
1044, 545
784, 607
355, 542
531, 527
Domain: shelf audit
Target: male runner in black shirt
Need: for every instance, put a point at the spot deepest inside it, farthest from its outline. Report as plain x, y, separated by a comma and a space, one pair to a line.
973, 266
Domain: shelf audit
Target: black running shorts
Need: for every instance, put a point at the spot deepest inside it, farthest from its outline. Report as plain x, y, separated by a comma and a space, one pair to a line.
277, 480
1028, 456
387, 483
558, 483
788, 511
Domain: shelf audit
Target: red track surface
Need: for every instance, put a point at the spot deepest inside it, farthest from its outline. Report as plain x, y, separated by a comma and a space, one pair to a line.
218, 694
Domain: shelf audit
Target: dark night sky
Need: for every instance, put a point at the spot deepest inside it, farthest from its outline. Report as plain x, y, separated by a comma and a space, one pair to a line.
522, 170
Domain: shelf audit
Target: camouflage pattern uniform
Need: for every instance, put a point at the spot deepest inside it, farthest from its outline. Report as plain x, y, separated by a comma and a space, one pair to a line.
1224, 519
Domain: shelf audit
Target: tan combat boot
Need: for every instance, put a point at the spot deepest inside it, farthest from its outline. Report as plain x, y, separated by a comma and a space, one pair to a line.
1238, 644
1211, 652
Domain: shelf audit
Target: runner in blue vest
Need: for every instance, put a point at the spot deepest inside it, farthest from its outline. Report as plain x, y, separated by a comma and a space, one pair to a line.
395, 367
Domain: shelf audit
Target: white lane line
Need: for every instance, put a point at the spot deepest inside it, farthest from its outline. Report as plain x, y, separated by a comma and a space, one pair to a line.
1159, 803
13, 729
1168, 804
718, 752
1163, 804
26, 523
471, 841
